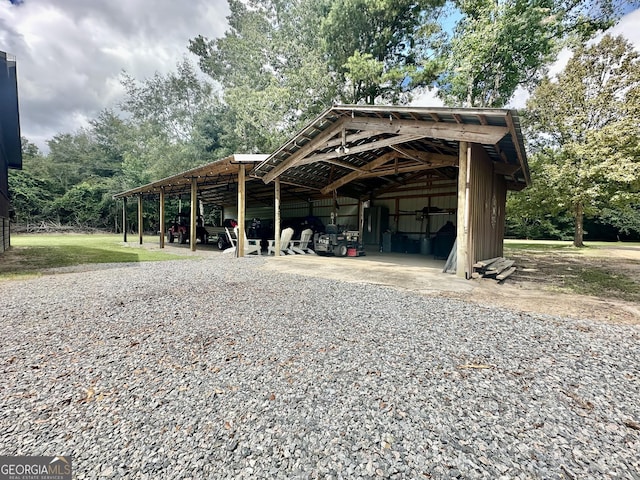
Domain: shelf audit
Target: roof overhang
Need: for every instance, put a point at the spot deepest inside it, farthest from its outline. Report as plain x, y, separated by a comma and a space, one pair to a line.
213, 179
362, 149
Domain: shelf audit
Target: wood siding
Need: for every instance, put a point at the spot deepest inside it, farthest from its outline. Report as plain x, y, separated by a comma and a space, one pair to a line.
488, 193
4, 245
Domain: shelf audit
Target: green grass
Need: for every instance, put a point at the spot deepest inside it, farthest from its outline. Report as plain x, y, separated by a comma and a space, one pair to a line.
599, 282
31, 254
562, 246
590, 270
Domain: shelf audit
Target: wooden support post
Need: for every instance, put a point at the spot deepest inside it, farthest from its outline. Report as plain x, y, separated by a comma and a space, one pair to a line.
462, 215
361, 221
140, 218
276, 226
124, 218
241, 209
161, 217
194, 209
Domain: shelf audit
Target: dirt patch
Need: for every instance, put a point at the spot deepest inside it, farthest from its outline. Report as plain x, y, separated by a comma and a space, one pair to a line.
541, 284
544, 283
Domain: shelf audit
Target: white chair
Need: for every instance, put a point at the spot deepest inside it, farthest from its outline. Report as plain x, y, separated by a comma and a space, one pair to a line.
251, 245
285, 240
302, 246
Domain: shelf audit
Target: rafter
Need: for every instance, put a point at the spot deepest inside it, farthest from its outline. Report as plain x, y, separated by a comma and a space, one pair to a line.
354, 175
320, 157
295, 158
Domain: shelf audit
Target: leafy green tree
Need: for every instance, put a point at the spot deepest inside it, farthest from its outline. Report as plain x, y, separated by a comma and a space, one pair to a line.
498, 46
284, 61
171, 103
589, 146
272, 71
29, 188
383, 48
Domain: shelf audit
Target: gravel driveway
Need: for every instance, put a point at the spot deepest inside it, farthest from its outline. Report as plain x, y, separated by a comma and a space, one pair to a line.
215, 368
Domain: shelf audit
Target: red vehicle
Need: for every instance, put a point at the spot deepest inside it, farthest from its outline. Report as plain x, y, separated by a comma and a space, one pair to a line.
180, 229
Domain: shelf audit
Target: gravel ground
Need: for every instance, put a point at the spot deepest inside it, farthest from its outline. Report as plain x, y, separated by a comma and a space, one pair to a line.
216, 368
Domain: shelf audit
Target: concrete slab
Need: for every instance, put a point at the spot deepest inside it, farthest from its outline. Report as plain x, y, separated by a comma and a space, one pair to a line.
418, 273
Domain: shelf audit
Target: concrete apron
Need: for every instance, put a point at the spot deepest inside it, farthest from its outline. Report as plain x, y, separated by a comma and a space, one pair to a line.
413, 272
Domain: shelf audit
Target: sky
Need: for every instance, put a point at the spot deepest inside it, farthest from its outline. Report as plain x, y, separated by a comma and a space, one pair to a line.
70, 53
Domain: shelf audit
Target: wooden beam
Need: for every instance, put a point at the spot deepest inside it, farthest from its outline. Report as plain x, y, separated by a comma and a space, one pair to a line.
140, 218
276, 227
505, 169
241, 210
398, 170
520, 153
427, 157
462, 215
366, 147
346, 165
161, 217
484, 134
353, 175
124, 219
308, 148
194, 208
351, 138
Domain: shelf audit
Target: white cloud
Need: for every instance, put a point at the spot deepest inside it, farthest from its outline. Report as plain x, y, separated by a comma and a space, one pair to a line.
70, 52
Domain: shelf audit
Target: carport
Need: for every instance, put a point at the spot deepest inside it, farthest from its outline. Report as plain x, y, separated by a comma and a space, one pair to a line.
389, 167
387, 154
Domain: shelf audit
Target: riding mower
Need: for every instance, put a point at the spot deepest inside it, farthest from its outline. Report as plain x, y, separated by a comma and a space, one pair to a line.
339, 244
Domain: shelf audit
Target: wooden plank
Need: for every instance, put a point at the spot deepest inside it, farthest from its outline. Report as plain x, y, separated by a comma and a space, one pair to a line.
277, 222
486, 263
499, 266
505, 274
484, 134
162, 226
462, 233
194, 211
353, 175
365, 147
451, 264
242, 208
140, 218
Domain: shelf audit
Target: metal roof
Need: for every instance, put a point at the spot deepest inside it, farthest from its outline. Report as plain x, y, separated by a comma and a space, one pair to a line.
217, 181
360, 149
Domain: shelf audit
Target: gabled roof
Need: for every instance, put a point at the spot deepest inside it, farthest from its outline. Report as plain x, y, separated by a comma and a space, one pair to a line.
360, 149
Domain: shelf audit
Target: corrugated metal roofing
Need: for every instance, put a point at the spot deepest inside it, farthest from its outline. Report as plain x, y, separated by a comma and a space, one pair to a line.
357, 150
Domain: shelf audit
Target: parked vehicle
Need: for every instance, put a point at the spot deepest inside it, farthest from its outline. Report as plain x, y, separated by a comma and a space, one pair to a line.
180, 229
336, 242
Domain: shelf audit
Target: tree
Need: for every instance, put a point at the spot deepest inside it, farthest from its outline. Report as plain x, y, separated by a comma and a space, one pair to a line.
171, 103
381, 47
282, 62
499, 46
273, 73
588, 145
29, 188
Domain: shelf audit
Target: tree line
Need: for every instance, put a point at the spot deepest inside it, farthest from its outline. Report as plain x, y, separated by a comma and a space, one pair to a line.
282, 62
